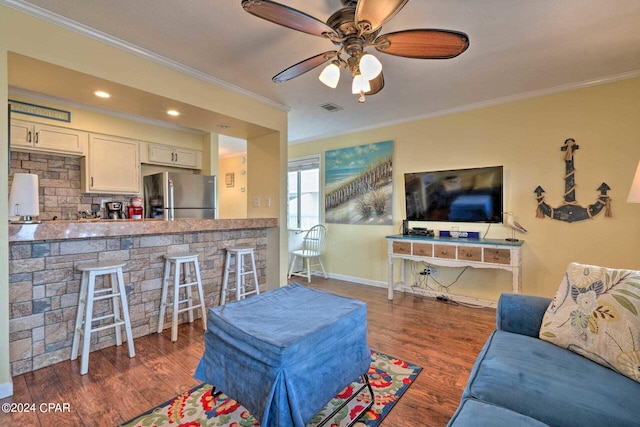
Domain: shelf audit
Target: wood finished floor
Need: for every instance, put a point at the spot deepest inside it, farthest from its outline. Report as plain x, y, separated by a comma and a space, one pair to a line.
444, 339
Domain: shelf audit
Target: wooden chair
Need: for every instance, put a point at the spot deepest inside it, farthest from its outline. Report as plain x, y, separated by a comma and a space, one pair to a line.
310, 253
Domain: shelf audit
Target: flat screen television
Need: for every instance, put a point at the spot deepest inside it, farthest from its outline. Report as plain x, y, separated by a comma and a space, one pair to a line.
460, 195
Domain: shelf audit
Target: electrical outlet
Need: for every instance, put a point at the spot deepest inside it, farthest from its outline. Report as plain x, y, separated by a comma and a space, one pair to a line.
256, 202
430, 271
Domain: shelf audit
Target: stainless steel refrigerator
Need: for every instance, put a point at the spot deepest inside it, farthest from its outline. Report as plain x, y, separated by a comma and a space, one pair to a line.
171, 195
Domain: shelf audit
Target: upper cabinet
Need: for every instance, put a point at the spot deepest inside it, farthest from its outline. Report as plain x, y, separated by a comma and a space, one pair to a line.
112, 166
55, 139
159, 154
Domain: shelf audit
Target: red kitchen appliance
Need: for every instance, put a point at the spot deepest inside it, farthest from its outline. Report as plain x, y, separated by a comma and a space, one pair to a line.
135, 209
135, 212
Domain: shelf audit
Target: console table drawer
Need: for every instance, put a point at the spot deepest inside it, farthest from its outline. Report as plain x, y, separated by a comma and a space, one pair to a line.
497, 256
448, 252
423, 249
469, 253
444, 251
402, 248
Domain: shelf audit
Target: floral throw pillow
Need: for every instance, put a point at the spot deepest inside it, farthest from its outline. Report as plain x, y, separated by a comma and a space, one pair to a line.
595, 313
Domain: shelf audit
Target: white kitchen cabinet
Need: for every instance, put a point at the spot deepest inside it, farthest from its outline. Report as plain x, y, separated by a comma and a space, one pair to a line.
173, 156
52, 139
112, 166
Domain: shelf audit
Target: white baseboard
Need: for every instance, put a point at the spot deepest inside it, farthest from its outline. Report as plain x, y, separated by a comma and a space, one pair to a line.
6, 390
359, 280
462, 299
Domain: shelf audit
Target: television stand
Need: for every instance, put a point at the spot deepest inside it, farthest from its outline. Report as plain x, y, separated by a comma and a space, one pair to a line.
449, 252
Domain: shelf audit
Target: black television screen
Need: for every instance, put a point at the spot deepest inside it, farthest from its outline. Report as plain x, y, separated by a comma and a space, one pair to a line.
461, 195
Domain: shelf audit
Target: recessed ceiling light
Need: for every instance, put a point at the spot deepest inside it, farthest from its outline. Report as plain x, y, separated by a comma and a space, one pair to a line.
173, 113
102, 94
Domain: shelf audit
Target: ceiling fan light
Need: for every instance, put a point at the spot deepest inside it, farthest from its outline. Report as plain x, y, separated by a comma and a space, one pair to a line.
360, 84
330, 76
370, 66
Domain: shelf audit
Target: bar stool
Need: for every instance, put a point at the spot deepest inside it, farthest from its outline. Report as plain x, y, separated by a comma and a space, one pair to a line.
88, 296
240, 270
178, 260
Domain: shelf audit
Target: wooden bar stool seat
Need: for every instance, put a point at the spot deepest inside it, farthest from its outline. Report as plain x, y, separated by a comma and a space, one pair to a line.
179, 261
89, 295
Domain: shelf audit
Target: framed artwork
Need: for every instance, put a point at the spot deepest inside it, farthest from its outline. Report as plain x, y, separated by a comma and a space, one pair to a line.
358, 184
229, 179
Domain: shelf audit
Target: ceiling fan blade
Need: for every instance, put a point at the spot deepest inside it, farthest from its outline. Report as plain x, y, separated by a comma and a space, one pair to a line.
423, 44
287, 17
376, 85
304, 66
377, 13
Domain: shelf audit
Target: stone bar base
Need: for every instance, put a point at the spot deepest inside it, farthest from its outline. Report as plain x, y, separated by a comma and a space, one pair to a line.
44, 285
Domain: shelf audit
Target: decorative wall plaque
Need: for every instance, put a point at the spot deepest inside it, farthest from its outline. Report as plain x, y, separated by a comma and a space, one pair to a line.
39, 111
571, 211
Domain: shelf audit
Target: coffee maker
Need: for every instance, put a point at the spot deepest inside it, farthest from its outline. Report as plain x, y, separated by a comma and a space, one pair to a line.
114, 210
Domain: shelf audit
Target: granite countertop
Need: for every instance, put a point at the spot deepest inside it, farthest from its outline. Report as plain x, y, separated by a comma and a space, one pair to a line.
84, 229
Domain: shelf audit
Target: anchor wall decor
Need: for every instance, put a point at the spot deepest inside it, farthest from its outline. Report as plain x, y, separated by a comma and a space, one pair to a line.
571, 211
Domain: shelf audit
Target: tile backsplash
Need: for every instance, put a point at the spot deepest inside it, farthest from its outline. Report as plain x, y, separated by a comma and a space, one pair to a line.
59, 179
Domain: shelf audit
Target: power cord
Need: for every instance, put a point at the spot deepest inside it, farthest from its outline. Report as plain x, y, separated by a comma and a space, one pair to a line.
420, 281
445, 288
446, 300
487, 231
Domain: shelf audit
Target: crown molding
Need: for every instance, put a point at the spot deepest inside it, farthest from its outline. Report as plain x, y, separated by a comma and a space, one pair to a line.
66, 23
483, 104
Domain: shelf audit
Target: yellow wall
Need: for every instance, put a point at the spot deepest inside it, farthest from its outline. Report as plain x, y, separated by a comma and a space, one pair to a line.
267, 179
232, 201
54, 44
525, 137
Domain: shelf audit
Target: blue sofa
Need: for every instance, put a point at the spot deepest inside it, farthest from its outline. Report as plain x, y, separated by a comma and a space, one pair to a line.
520, 380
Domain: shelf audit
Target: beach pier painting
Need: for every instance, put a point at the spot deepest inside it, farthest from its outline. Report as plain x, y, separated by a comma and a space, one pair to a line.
358, 184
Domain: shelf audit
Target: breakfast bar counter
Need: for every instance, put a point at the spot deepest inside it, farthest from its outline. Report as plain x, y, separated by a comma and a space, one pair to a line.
44, 282
81, 229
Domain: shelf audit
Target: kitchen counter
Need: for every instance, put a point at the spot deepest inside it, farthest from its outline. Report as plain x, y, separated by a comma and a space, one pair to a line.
83, 229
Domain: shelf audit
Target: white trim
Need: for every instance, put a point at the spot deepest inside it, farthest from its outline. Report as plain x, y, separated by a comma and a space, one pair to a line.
482, 104
358, 280
462, 299
6, 390
69, 24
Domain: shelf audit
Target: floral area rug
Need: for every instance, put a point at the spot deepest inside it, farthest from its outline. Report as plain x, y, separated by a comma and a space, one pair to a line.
200, 407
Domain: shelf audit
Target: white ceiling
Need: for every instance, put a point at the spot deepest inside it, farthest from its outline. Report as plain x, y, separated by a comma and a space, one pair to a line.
518, 48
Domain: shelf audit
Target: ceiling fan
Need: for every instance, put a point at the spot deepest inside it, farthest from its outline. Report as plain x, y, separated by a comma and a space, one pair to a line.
352, 29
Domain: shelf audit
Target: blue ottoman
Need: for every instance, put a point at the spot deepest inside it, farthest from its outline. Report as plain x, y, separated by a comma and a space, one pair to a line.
285, 353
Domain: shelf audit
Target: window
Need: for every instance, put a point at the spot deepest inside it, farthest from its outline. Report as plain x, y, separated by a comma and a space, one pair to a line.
303, 189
